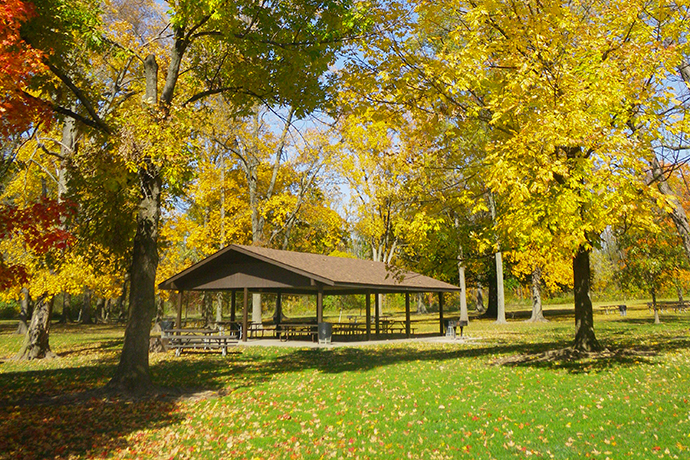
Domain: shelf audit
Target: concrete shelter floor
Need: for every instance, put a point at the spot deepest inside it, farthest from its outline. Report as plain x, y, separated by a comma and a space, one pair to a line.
271, 342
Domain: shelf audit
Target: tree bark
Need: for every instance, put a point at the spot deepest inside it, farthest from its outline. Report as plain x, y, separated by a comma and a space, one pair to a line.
256, 308
421, 308
132, 374
537, 310
463, 291
657, 320
219, 307
585, 340
36, 341
24, 313
85, 313
66, 307
500, 296
492, 302
480, 298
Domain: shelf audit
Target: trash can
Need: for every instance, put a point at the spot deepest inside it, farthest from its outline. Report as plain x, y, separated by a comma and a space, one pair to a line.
450, 328
325, 332
167, 324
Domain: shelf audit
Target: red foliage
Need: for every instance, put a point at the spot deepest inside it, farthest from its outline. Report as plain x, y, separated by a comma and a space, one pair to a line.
18, 63
38, 227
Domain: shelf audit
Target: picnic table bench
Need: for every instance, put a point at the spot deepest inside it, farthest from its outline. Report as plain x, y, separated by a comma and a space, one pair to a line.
676, 305
204, 339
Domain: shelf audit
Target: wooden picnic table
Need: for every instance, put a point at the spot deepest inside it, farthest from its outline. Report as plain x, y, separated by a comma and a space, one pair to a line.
198, 339
349, 328
287, 330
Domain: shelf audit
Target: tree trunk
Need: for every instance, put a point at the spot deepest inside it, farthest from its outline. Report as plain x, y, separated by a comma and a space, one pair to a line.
122, 301
66, 307
585, 339
537, 310
500, 297
657, 320
85, 313
463, 291
36, 341
679, 291
479, 298
256, 308
24, 313
492, 304
219, 307
421, 308
132, 374
207, 308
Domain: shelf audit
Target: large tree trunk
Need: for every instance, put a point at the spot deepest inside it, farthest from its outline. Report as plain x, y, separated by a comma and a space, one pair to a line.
256, 309
132, 374
36, 341
585, 339
537, 310
24, 313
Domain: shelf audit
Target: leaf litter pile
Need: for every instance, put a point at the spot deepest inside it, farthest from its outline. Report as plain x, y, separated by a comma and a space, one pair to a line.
495, 399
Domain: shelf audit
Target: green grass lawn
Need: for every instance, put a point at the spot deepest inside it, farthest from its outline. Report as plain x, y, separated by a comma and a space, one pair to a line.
398, 400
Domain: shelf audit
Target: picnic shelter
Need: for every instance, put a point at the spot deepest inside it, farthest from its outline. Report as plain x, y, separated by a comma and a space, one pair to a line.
252, 269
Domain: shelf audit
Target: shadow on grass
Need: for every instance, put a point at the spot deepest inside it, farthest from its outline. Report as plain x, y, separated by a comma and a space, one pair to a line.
100, 426
89, 428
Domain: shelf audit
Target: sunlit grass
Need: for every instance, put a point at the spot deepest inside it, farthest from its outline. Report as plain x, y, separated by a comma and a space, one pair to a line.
398, 400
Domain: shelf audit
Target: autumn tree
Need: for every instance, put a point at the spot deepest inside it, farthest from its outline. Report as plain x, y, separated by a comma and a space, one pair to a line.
19, 62
651, 257
571, 97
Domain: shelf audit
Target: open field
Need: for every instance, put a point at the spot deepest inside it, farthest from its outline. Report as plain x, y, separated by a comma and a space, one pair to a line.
397, 400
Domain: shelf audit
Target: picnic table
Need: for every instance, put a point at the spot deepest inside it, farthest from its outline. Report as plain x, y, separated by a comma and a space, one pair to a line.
676, 305
287, 330
607, 309
204, 339
390, 326
349, 328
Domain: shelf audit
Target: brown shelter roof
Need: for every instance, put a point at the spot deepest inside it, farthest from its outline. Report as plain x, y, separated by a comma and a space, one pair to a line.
271, 270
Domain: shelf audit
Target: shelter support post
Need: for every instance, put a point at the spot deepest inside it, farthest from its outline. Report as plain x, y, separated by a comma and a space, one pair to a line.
377, 317
368, 304
407, 314
319, 305
440, 313
178, 324
245, 315
233, 305
279, 308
